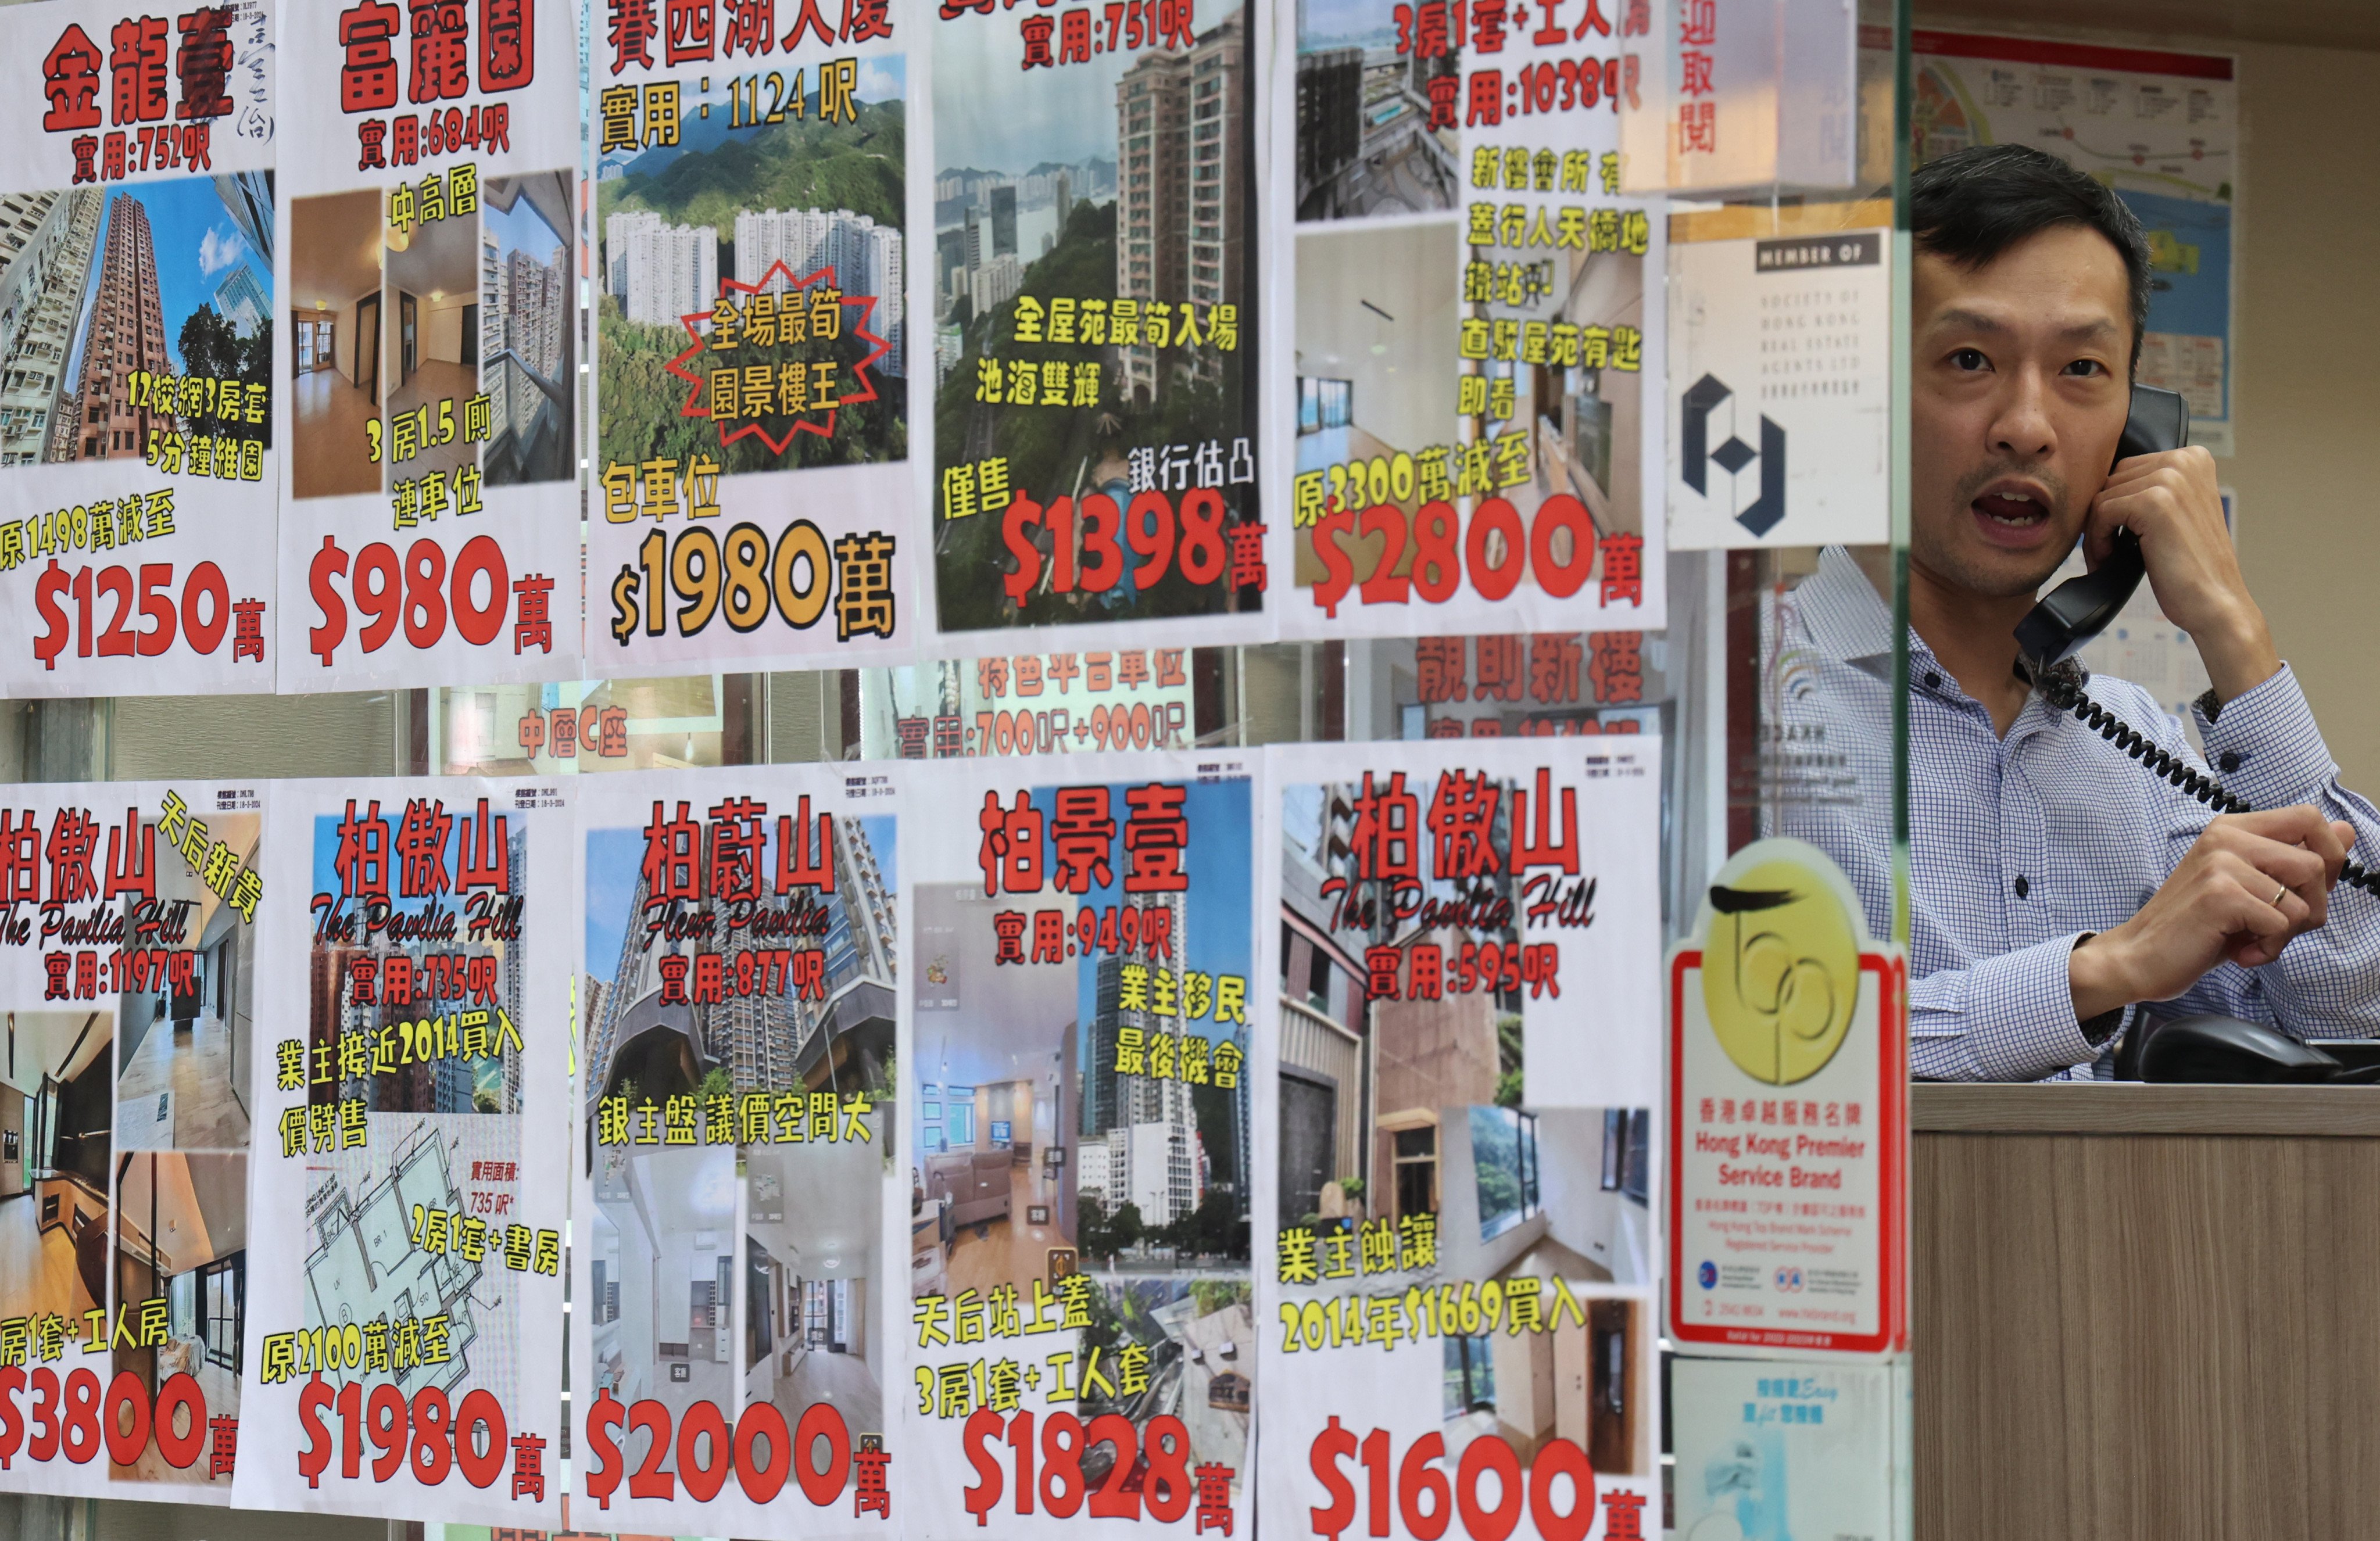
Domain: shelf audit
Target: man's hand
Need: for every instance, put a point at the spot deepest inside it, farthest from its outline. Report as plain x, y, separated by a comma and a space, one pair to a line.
2251, 883
2171, 502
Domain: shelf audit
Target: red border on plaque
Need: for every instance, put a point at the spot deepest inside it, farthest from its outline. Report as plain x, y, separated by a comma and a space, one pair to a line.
1892, 1198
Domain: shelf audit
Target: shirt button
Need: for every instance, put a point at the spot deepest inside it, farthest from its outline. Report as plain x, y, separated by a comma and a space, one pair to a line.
1932, 680
2022, 888
2229, 761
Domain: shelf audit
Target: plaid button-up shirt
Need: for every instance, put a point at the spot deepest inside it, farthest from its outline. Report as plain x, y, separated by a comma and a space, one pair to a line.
2020, 845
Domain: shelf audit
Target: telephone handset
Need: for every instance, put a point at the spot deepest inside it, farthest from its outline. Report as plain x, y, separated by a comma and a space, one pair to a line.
2080, 608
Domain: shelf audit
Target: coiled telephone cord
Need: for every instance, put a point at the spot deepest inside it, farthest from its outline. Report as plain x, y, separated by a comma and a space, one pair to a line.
2065, 692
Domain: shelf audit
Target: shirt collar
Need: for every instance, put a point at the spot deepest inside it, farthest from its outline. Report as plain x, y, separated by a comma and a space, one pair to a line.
1847, 620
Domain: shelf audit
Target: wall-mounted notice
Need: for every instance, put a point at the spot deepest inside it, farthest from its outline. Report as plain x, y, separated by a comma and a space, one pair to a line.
1460, 1243
750, 495
1081, 1351
734, 1171
429, 224
136, 322
127, 966
2161, 129
1772, 1449
1029, 704
1476, 371
1788, 1121
410, 1085
1780, 378
1095, 258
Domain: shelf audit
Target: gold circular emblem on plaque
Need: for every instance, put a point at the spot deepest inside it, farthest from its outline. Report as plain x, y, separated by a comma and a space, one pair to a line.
1780, 972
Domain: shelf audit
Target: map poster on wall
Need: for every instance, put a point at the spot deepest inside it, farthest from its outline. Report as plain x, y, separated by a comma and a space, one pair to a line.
735, 1177
2161, 129
1081, 1353
1096, 248
1460, 1246
410, 1085
749, 496
429, 220
1478, 371
137, 387
127, 966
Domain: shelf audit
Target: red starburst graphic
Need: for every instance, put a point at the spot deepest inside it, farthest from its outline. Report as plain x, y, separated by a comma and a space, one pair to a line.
697, 408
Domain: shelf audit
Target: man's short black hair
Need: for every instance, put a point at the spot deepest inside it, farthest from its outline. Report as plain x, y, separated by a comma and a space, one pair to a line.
1971, 205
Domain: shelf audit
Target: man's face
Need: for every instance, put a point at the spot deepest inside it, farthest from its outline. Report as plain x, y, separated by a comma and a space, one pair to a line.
2021, 391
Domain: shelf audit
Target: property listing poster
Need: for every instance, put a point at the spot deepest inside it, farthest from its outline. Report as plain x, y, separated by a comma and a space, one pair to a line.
2161, 129
750, 495
410, 1087
1459, 1252
128, 917
137, 461
429, 218
1079, 1345
1096, 247
1478, 373
736, 1177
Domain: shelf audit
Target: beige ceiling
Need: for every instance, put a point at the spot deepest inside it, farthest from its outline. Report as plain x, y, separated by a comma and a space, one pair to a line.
334, 250
441, 258
2353, 24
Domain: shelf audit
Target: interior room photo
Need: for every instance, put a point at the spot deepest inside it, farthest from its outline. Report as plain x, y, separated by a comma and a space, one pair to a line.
1584, 1383
181, 1231
664, 1274
1376, 357
993, 1194
431, 325
1565, 1191
334, 343
55, 1118
813, 1251
182, 1081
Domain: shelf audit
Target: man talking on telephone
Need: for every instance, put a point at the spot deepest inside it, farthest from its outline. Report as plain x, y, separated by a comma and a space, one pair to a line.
2058, 887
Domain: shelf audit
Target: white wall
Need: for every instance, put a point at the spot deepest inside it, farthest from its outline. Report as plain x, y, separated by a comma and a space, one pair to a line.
442, 328
346, 327
1403, 369
1598, 1224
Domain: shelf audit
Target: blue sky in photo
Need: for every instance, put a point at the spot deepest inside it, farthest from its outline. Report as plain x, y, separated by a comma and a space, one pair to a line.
196, 245
1220, 883
521, 230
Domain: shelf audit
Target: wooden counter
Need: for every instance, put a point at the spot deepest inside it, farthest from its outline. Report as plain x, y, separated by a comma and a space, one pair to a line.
2145, 1311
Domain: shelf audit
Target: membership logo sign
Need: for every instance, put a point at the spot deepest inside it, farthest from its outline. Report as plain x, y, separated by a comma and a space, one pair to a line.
137, 325
430, 257
128, 917
409, 1082
1788, 1121
1464, 1250
1781, 385
735, 1180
